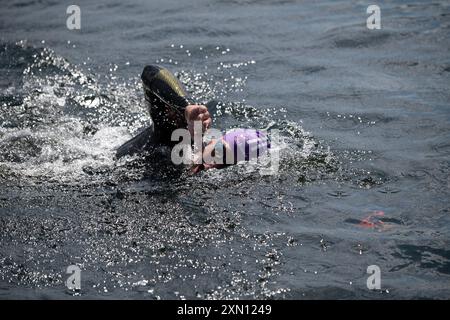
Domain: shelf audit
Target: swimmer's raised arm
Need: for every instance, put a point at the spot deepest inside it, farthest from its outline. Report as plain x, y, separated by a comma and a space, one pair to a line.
170, 108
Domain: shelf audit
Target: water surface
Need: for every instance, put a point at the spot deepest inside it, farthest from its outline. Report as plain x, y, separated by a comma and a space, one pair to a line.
364, 171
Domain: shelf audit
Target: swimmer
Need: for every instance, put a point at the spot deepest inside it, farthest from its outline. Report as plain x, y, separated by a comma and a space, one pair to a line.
171, 108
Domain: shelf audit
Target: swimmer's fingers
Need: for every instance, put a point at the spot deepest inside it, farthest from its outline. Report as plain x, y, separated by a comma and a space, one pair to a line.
201, 108
206, 120
203, 116
193, 112
207, 124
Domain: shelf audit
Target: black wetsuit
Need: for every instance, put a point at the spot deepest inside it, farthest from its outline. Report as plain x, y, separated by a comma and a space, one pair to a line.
167, 100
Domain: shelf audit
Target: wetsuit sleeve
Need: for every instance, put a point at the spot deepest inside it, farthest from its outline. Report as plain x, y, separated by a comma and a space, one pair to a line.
139, 143
167, 100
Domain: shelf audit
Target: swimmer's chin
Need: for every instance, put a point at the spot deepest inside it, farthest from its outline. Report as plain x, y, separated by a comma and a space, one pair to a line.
204, 166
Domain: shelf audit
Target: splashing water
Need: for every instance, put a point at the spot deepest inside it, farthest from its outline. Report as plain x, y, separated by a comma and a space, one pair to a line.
63, 124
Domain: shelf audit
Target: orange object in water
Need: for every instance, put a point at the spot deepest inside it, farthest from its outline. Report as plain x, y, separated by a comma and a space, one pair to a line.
372, 221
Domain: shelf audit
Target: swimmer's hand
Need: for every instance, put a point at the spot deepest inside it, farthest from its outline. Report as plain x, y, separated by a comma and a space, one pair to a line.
194, 113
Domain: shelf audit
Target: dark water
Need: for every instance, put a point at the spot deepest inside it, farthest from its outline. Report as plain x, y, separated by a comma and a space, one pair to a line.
364, 172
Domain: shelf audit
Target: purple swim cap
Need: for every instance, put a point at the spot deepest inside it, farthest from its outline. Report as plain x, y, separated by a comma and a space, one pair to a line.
246, 144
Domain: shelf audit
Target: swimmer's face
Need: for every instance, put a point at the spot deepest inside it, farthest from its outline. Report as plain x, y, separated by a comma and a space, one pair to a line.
209, 153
